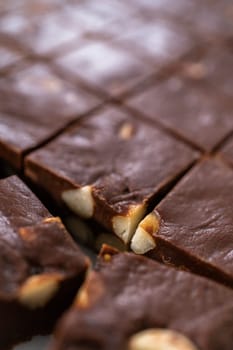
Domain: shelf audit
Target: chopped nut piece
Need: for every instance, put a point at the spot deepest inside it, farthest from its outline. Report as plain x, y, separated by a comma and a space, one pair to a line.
53, 219
125, 226
143, 240
80, 201
160, 339
126, 131
38, 290
195, 71
90, 292
107, 257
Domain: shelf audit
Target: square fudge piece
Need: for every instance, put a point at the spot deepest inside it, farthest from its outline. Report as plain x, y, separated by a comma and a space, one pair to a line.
130, 302
104, 67
161, 41
110, 167
191, 108
35, 105
37, 29
41, 268
192, 226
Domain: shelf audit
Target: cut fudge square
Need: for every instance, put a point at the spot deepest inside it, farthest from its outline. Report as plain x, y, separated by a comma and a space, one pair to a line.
41, 268
195, 111
35, 105
49, 34
227, 151
110, 167
130, 302
192, 225
161, 41
39, 32
112, 70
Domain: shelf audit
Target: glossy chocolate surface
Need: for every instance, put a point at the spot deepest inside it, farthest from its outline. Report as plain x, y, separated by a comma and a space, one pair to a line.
196, 221
127, 293
125, 161
186, 104
35, 105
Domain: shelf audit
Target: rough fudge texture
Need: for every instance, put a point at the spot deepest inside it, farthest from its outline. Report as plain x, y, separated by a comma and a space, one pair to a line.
190, 107
127, 294
35, 105
41, 268
227, 151
192, 226
112, 167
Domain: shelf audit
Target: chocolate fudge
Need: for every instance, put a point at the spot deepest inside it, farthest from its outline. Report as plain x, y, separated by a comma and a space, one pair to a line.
41, 268
132, 303
213, 67
113, 166
191, 108
35, 105
192, 226
159, 41
114, 76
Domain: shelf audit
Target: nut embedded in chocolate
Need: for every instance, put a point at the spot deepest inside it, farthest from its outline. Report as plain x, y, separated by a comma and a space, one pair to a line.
118, 165
38, 290
124, 226
80, 201
143, 240
160, 339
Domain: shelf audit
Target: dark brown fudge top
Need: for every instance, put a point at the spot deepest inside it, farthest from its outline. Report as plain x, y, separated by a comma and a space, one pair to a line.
127, 294
40, 28
160, 41
214, 66
112, 166
115, 75
227, 151
195, 111
35, 105
195, 218
37, 253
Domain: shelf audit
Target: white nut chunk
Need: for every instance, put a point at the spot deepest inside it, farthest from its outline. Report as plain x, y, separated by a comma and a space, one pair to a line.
80, 201
143, 240
125, 226
126, 131
38, 290
160, 339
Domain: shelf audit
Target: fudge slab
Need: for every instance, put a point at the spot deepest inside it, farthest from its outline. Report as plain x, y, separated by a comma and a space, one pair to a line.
193, 225
35, 105
109, 167
41, 268
190, 107
130, 302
